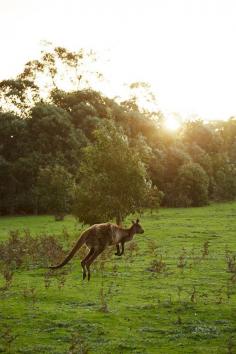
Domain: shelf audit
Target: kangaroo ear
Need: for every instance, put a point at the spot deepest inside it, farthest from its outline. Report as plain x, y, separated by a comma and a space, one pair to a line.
137, 221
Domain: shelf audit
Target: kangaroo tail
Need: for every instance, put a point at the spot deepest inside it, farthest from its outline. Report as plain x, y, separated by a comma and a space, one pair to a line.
76, 247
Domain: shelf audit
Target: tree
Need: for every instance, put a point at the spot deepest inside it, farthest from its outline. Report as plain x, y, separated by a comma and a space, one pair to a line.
54, 138
18, 96
62, 69
112, 178
191, 186
86, 108
15, 173
6, 187
204, 135
13, 136
164, 169
54, 190
154, 198
141, 98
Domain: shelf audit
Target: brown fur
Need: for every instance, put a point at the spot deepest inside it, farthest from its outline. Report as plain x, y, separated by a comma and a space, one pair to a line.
97, 238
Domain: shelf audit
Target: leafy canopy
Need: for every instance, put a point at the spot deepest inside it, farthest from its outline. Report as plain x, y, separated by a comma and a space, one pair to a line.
55, 189
112, 179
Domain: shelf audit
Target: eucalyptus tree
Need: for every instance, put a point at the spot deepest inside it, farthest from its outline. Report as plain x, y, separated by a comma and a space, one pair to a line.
63, 69
113, 181
18, 96
54, 190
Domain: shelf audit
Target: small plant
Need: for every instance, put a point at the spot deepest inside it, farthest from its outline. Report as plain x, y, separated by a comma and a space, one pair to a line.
7, 337
193, 295
204, 296
194, 256
158, 266
179, 291
231, 264
115, 270
182, 262
153, 248
25, 251
233, 278
228, 290
230, 346
131, 251
8, 276
47, 280
219, 296
205, 250
179, 320
103, 300
61, 279
59, 275
170, 300
77, 345
231, 261
30, 294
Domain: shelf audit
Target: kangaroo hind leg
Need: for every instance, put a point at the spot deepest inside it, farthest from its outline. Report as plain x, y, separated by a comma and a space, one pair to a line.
83, 262
92, 259
117, 250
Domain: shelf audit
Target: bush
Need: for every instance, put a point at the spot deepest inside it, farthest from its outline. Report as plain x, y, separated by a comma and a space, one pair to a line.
191, 186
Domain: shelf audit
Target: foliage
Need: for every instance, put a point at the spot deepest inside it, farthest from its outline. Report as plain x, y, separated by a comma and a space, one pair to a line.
54, 190
203, 135
191, 186
46, 139
86, 108
18, 96
154, 198
21, 251
190, 167
60, 68
53, 137
112, 177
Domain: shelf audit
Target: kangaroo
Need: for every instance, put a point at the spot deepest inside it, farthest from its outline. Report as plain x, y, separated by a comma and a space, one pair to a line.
97, 238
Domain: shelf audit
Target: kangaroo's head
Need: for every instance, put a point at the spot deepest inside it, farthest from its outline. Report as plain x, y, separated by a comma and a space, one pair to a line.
137, 228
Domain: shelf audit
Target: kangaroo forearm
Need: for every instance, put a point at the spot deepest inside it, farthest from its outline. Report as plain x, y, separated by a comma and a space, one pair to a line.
118, 251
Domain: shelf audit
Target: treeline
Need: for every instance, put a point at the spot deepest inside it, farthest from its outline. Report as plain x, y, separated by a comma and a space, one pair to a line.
43, 140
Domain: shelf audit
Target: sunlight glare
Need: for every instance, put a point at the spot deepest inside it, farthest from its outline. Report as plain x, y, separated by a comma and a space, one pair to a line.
187, 74
171, 124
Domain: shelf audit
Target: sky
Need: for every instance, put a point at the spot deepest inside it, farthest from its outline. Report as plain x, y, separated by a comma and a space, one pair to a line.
186, 49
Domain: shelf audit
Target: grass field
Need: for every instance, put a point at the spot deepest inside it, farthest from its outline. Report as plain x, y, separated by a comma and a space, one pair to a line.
174, 290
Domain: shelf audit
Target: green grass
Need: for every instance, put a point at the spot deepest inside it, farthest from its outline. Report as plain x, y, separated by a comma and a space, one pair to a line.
126, 308
44, 224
